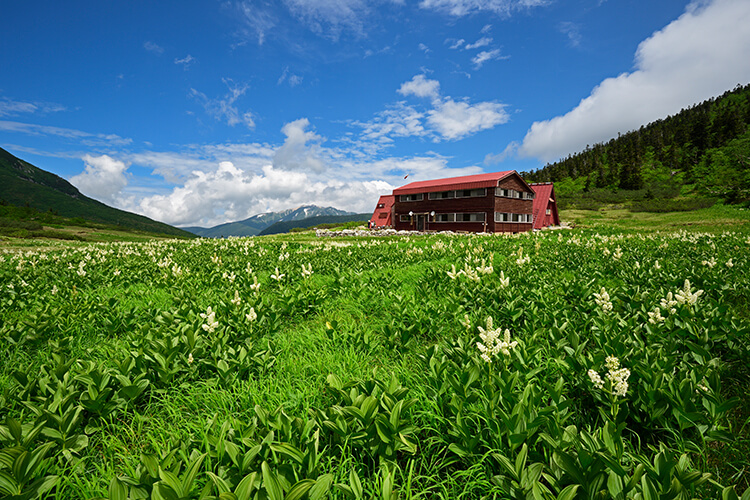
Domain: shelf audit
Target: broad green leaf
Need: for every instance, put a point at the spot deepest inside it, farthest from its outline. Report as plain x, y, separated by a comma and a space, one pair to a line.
117, 490
271, 483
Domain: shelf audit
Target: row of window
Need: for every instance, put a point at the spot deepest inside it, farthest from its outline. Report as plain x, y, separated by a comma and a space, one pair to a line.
467, 193
512, 193
460, 193
475, 217
504, 217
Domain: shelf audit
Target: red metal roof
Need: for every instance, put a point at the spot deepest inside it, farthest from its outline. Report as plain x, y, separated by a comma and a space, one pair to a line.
544, 197
464, 182
387, 202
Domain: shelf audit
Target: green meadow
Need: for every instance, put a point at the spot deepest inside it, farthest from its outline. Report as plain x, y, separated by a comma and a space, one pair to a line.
609, 361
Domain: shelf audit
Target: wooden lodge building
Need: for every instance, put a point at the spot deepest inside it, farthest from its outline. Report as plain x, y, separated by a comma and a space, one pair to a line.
499, 202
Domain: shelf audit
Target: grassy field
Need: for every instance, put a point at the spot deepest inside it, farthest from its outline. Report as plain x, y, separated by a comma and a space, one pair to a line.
600, 362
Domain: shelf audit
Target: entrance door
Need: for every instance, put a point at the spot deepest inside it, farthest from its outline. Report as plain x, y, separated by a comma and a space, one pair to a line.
420, 222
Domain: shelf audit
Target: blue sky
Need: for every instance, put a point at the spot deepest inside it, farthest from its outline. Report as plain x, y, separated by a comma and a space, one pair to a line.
198, 113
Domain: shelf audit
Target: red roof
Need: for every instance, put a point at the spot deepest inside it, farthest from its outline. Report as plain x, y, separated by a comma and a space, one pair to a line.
544, 198
464, 182
387, 202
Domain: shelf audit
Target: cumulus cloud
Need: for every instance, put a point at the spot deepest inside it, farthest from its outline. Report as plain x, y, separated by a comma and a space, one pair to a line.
223, 108
455, 120
460, 8
446, 119
701, 54
420, 86
300, 149
103, 178
227, 192
397, 120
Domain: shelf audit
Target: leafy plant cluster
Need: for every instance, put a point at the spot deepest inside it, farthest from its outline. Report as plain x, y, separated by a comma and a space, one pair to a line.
552, 366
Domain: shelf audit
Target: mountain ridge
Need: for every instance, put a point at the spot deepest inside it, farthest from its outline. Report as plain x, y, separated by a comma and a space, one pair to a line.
24, 184
253, 226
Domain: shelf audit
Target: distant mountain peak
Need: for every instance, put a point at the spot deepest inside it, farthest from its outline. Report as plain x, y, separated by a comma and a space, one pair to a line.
257, 223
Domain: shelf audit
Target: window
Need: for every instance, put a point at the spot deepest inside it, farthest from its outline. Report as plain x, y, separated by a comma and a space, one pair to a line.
381, 205
504, 217
549, 212
442, 195
382, 215
473, 217
445, 217
512, 193
471, 193
403, 218
411, 197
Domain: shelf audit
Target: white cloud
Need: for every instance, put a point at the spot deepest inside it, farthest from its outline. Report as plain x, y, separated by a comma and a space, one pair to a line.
701, 54
455, 120
447, 119
487, 55
459, 8
397, 120
420, 86
290, 78
329, 18
455, 44
224, 108
482, 42
258, 21
102, 179
186, 61
424, 48
572, 31
9, 107
85, 138
300, 149
154, 48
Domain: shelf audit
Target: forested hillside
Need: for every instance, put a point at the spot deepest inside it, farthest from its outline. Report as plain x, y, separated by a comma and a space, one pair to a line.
704, 150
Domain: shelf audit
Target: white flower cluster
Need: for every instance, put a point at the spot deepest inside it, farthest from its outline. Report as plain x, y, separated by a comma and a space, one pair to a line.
602, 300
618, 254
236, 300
504, 282
710, 263
730, 263
655, 317
491, 344
252, 315
210, 316
307, 271
467, 271
483, 269
618, 377
277, 275
522, 259
255, 286
685, 296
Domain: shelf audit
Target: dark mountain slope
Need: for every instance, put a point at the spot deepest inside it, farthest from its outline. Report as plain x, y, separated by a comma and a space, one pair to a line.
23, 184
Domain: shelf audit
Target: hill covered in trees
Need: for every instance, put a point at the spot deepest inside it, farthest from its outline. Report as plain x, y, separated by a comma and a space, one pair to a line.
703, 150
